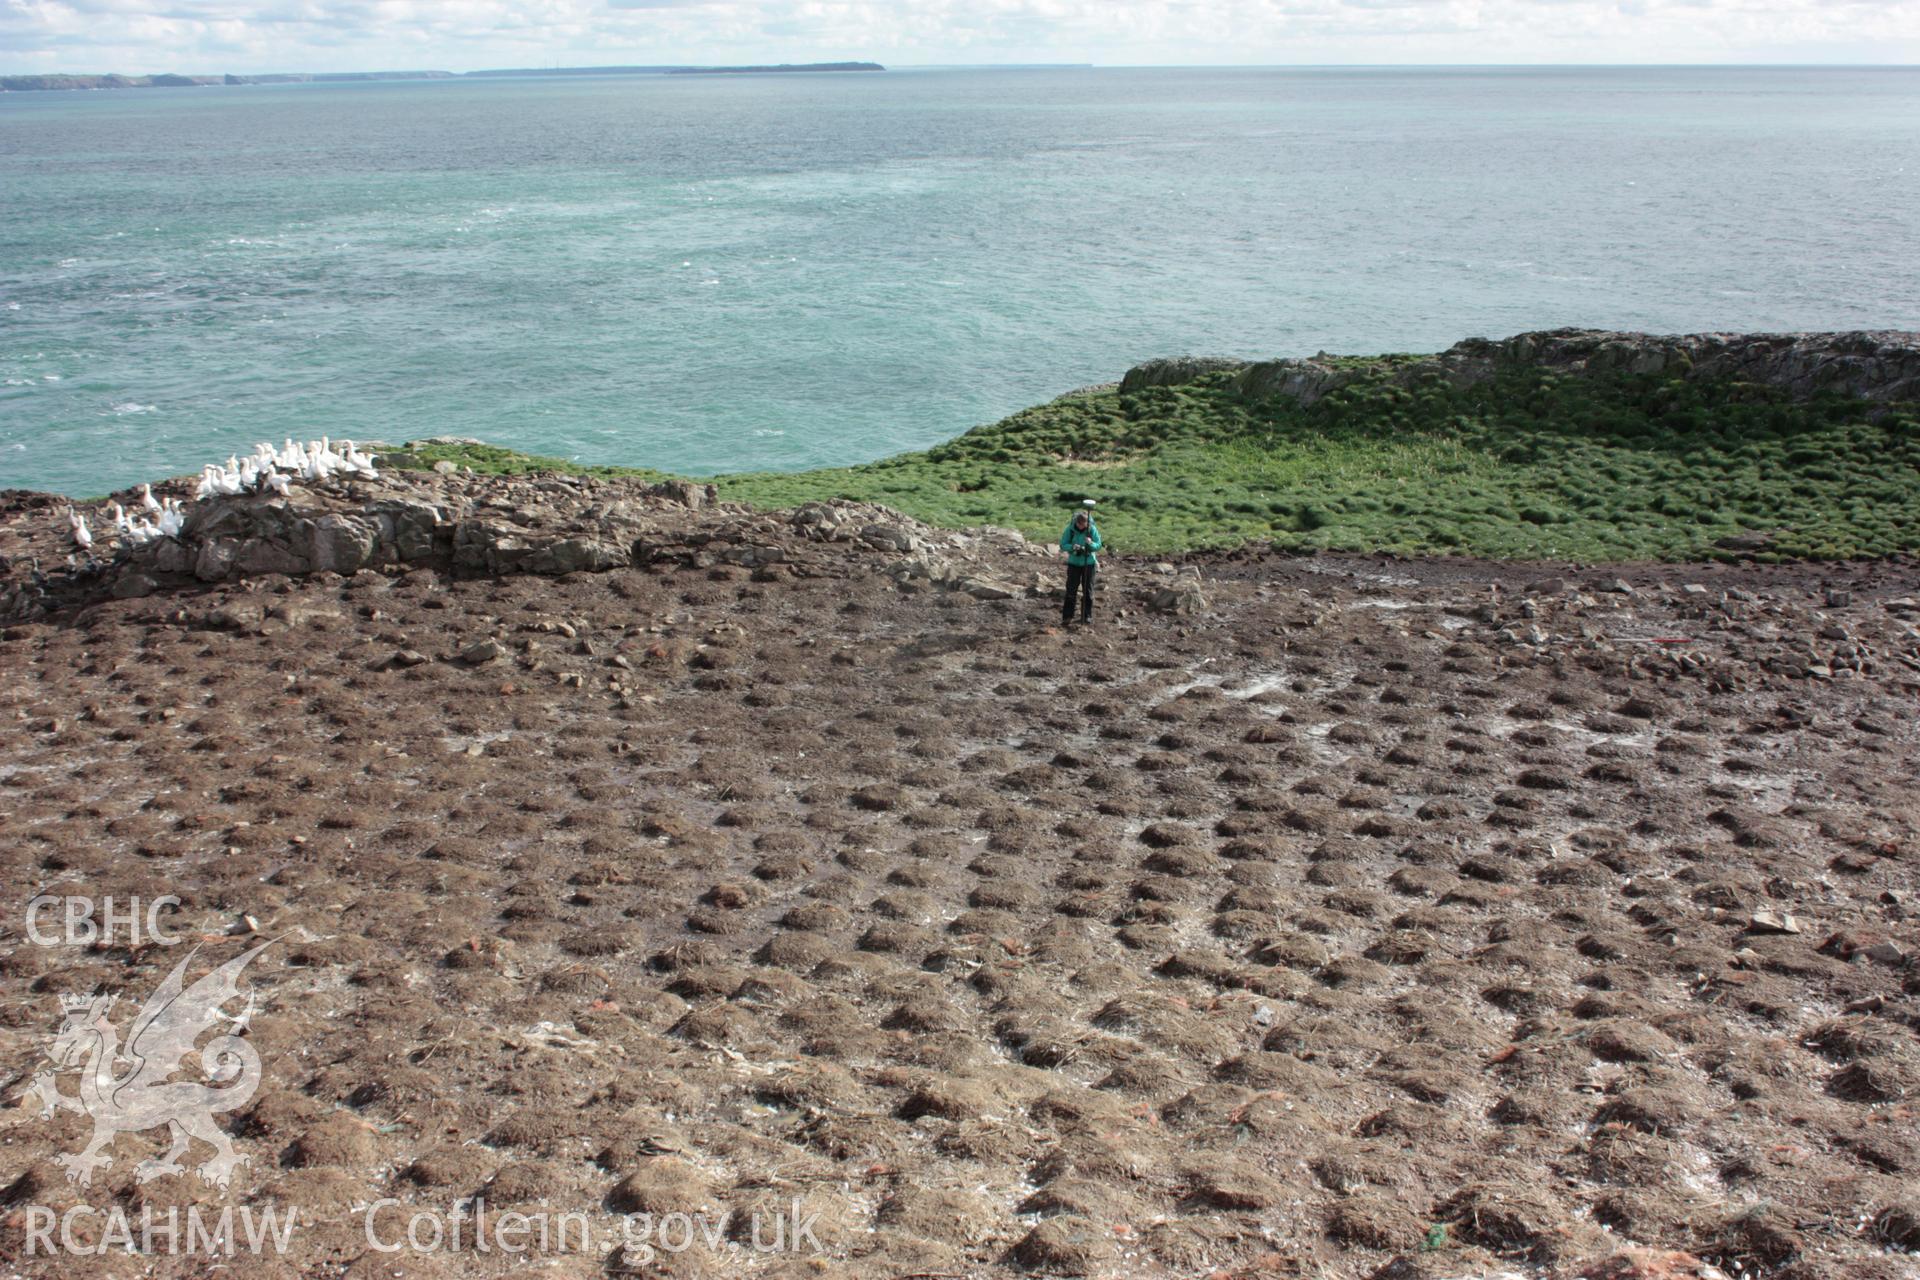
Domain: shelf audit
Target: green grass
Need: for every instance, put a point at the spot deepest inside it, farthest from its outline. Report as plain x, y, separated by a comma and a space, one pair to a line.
1527, 465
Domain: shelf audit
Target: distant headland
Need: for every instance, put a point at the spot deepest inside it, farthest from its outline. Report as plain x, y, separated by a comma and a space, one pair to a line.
27, 84
781, 69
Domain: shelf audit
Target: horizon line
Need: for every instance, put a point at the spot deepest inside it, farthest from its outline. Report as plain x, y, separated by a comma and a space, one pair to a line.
1055, 64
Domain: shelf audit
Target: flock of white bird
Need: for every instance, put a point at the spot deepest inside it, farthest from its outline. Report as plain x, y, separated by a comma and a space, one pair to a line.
265, 470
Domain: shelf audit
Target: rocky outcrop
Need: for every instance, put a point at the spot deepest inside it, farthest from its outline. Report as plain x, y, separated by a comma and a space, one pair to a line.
1303, 380
307, 532
470, 526
1875, 365
1866, 364
1175, 371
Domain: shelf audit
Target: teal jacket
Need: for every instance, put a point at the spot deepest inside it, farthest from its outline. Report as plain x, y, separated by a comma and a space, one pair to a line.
1081, 547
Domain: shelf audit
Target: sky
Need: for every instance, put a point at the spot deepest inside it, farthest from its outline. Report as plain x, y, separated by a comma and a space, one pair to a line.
208, 36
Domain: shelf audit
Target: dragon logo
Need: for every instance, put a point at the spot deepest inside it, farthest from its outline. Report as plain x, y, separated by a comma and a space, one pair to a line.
130, 1090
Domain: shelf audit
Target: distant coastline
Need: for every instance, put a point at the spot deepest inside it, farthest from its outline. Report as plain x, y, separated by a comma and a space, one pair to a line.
677, 69
776, 70
27, 84
38, 83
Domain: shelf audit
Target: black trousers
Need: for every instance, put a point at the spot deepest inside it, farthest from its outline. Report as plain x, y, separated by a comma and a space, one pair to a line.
1080, 583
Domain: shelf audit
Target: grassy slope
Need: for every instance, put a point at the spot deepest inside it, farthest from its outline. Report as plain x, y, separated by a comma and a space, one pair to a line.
1531, 464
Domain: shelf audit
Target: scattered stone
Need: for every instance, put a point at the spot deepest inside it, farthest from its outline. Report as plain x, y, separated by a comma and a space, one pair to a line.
889, 537
1856, 944
1184, 598
482, 652
133, 586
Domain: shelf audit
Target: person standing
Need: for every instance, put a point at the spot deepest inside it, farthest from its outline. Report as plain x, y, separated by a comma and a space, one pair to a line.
1081, 542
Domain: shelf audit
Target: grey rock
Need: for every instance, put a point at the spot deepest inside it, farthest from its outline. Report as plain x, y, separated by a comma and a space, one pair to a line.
482, 652
889, 537
256, 557
921, 567
483, 545
1874, 365
753, 557
410, 527
170, 556
986, 589
1175, 371
576, 555
814, 514
132, 586
215, 559
235, 615
1305, 381
686, 493
1182, 598
1888, 953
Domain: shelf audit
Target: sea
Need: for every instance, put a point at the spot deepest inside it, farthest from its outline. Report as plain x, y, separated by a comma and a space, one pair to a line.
757, 272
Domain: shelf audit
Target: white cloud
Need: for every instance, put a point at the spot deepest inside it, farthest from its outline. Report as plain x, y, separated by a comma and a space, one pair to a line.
267, 35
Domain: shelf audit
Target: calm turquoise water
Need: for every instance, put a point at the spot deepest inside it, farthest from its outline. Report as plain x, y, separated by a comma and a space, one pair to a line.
781, 272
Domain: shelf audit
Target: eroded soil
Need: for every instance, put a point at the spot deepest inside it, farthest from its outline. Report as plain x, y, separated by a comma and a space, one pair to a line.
1377, 911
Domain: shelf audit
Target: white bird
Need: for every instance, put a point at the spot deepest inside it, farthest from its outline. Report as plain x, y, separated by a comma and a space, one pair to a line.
171, 519
147, 500
278, 483
77, 526
219, 482
358, 462
322, 460
120, 521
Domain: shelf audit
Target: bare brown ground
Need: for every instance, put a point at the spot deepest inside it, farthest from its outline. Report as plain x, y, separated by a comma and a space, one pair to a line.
1377, 906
